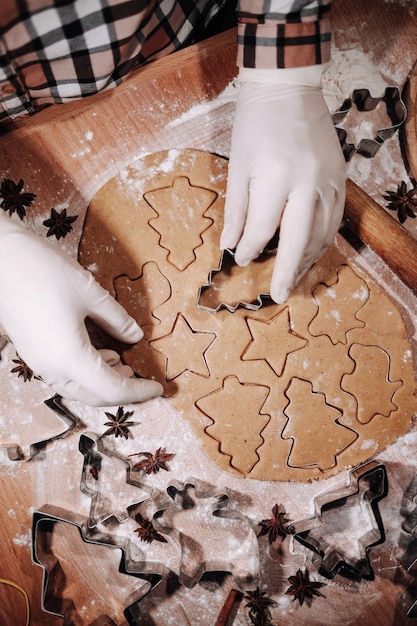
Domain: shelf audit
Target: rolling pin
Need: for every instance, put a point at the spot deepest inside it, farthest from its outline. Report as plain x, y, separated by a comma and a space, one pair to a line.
385, 236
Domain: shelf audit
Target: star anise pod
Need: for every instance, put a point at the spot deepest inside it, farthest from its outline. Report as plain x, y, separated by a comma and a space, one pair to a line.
258, 602
146, 531
22, 370
402, 201
118, 426
152, 463
302, 587
274, 527
13, 200
59, 224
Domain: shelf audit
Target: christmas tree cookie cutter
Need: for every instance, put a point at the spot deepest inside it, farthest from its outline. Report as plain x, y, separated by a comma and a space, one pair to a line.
364, 102
19, 452
207, 294
326, 535
96, 455
53, 601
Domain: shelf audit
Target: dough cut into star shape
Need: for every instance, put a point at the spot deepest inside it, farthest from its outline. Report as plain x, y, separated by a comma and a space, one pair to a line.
272, 341
184, 349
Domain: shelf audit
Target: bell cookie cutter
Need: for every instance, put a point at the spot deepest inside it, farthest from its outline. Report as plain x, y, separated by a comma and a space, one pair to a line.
364, 102
368, 484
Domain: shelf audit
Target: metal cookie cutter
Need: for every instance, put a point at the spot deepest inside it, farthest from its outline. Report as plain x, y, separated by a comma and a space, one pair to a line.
18, 452
327, 535
408, 558
114, 503
54, 580
407, 600
223, 539
364, 102
225, 267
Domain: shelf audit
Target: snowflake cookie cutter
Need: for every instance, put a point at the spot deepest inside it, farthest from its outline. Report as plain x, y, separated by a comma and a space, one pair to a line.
368, 484
226, 261
227, 534
53, 601
364, 102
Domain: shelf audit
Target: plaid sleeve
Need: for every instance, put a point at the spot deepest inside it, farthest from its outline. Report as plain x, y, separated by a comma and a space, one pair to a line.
283, 33
54, 51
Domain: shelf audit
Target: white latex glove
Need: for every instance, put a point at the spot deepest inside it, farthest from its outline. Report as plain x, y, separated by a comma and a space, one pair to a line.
45, 296
286, 170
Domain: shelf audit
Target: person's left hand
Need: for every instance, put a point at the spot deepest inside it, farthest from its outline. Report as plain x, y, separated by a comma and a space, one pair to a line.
45, 297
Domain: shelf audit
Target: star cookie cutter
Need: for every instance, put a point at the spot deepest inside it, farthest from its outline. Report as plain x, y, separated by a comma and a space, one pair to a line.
364, 102
358, 504
225, 263
44, 522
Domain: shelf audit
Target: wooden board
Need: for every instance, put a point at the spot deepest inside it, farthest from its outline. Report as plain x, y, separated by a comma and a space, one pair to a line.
65, 154
410, 128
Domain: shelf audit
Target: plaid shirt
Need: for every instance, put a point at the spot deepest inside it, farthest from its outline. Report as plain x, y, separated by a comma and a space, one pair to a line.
52, 51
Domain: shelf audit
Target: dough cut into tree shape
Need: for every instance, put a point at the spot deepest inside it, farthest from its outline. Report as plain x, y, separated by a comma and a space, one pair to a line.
348, 295
309, 433
234, 403
184, 349
177, 208
273, 340
372, 369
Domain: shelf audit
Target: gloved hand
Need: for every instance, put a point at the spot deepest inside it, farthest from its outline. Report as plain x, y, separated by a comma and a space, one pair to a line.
45, 296
286, 170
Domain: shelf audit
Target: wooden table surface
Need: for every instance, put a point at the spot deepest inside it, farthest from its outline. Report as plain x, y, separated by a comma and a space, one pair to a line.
66, 153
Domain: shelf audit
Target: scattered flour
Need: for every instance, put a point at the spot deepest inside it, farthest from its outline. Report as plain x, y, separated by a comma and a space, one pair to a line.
349, 70
23, 540
226, 97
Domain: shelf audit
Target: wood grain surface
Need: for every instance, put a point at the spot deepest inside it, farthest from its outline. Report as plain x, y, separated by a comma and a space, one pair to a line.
409, 131
375, 227
67, 152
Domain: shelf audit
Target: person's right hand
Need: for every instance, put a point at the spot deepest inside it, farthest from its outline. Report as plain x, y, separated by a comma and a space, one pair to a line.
286, 173
45, 297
